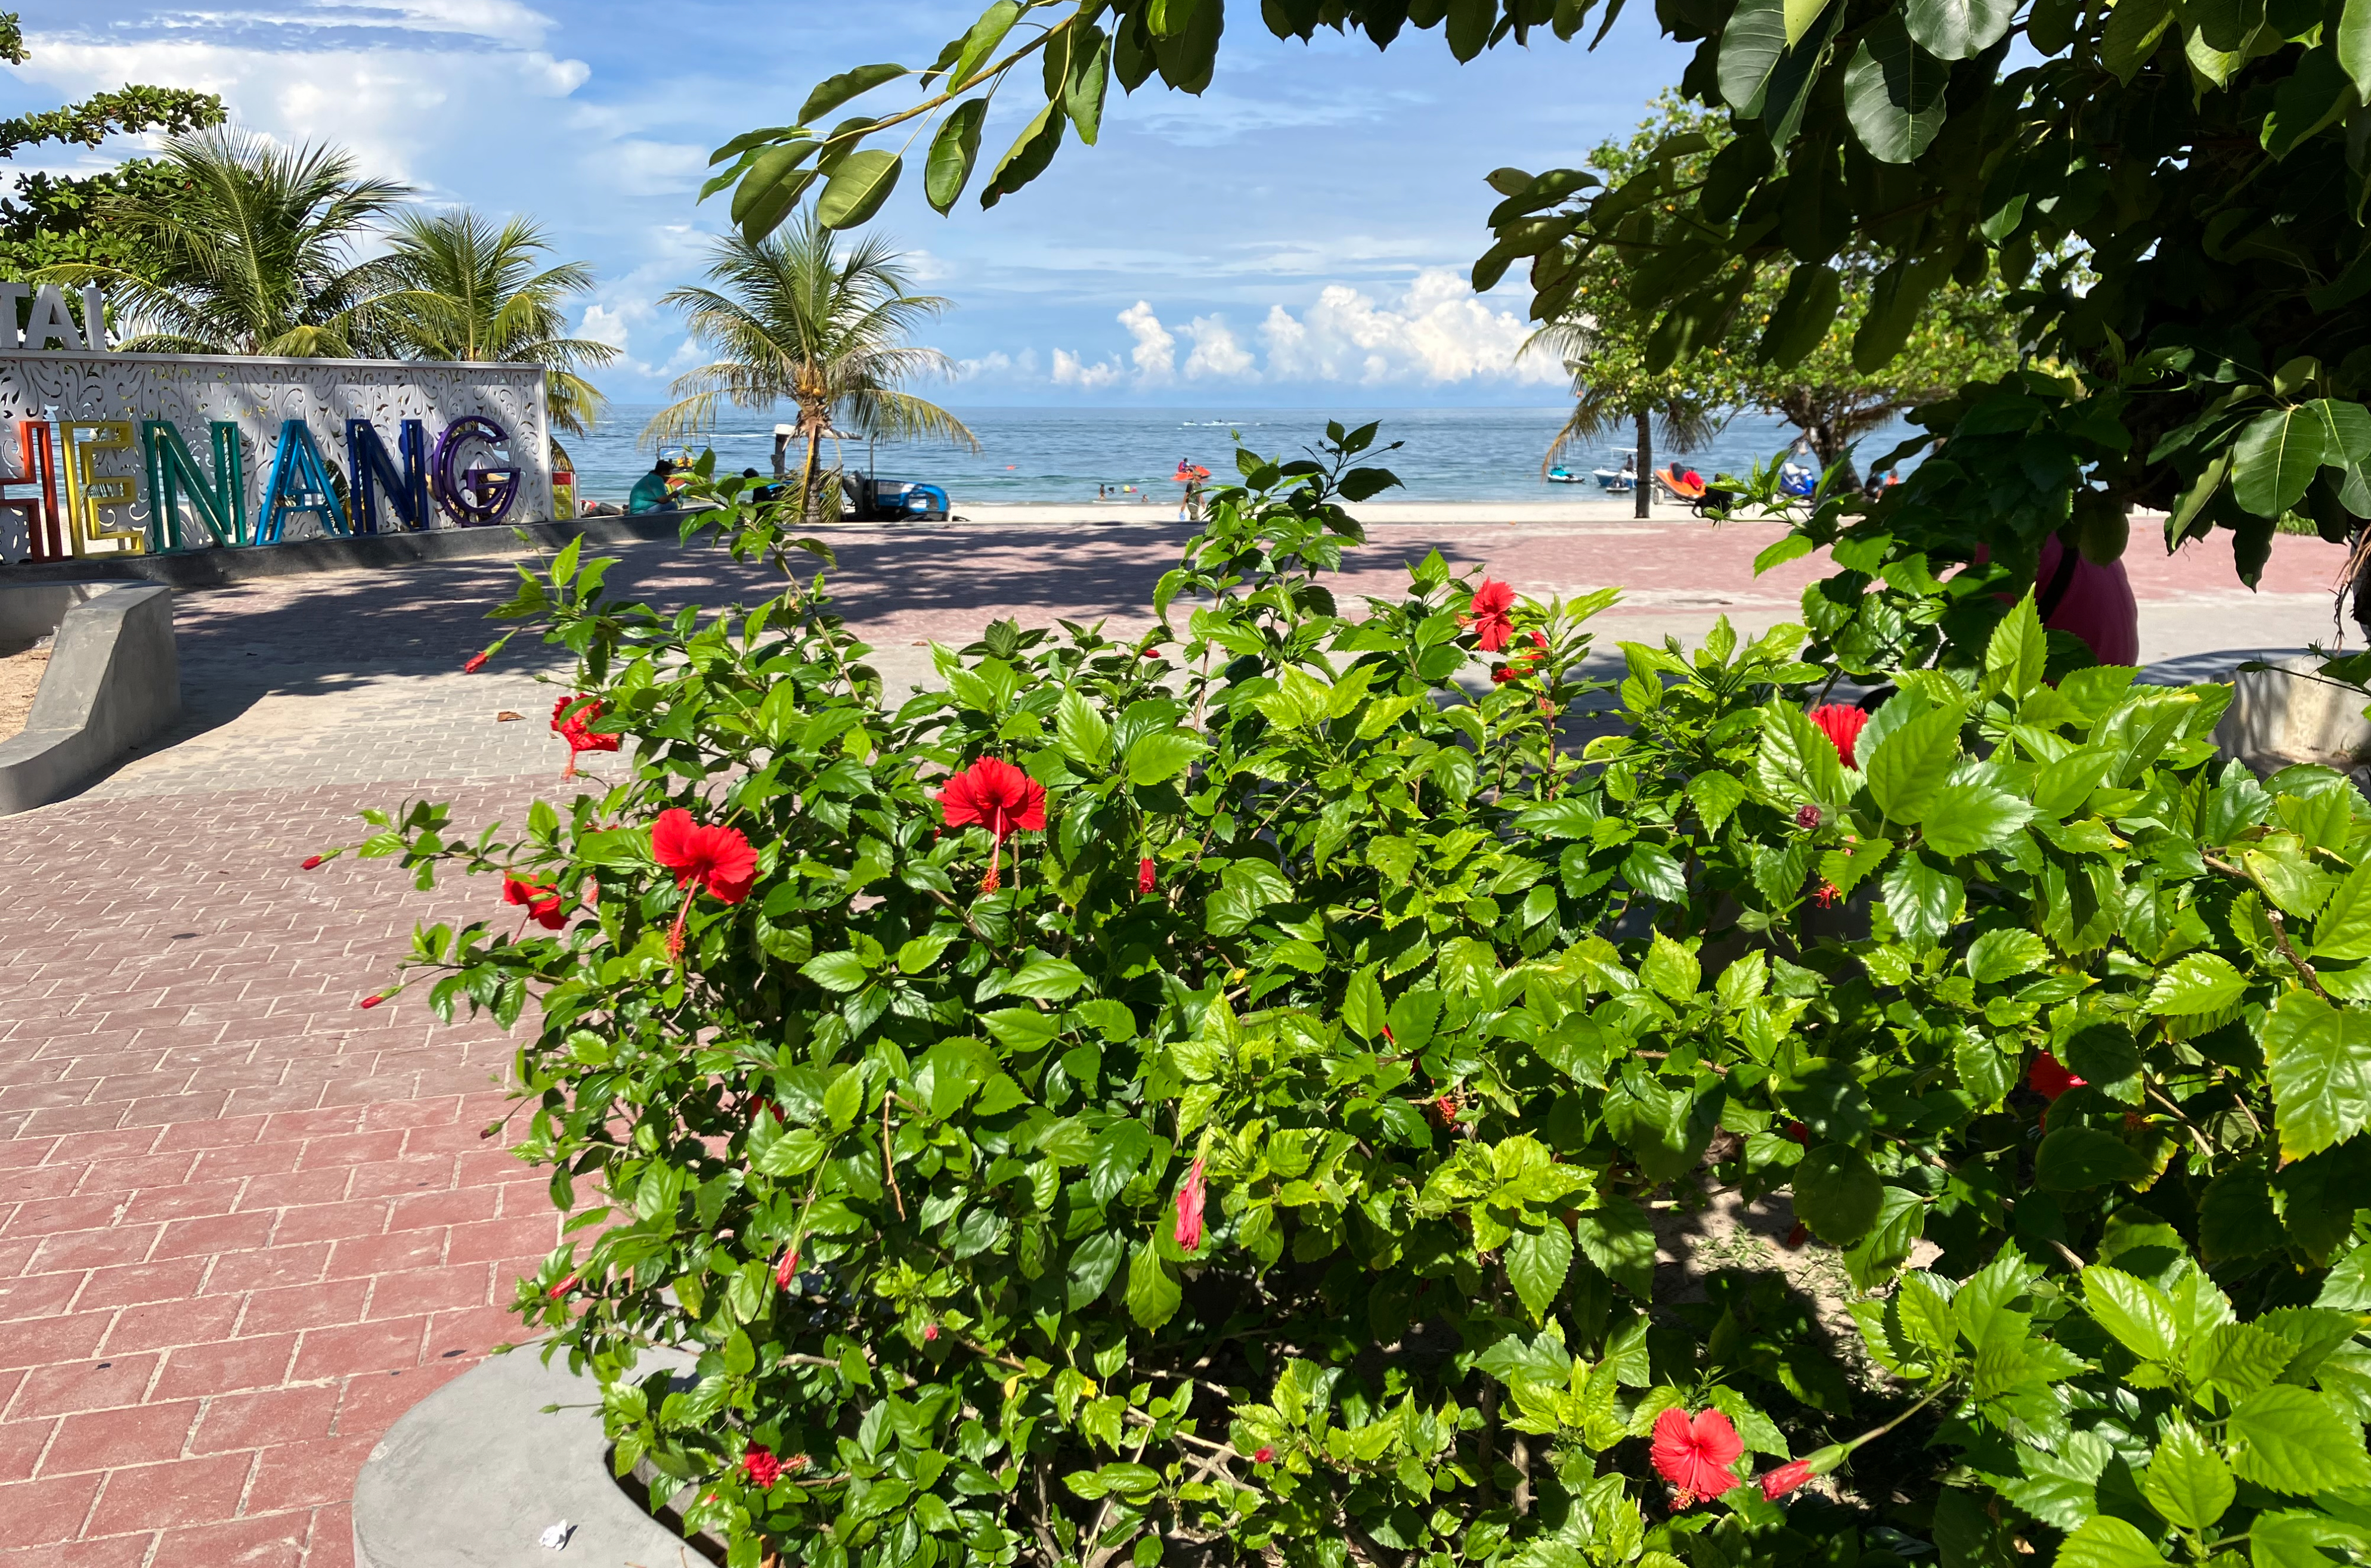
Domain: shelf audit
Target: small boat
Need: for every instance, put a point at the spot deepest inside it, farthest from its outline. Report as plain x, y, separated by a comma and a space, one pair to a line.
1616, 481
1561, 475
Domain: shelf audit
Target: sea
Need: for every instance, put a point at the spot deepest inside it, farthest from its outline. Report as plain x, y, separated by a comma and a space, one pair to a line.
1063, 455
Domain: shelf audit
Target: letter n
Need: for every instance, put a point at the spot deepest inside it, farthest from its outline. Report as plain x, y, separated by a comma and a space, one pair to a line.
174, 477
300, 483
367, 461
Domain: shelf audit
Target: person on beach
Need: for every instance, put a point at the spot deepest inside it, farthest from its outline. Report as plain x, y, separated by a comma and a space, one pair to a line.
650, 491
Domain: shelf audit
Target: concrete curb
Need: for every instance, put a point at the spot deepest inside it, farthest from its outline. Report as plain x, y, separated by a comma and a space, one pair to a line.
220, 567
113, 681
474, 1473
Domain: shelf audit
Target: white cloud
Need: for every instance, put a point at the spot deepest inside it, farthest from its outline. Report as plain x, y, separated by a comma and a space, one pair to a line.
603, 325
1156, 347
920, 264
1438, 331
1070, 372
1216, 353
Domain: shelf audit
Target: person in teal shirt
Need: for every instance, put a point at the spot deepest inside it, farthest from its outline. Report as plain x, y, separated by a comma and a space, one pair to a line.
650, 491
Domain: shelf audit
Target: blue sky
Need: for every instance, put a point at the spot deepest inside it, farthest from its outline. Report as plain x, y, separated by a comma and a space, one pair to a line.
1299, 234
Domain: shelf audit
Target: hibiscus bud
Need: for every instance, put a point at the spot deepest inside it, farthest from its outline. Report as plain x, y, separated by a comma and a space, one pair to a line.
311, 862
1797, 1237
1807, 817
1190, 1198
563, 1288
930, 1332
1800, 1132
1144, 876
1785, 1479
796, 1462
1265, 1456
788, 1271
475, 663
369, 1002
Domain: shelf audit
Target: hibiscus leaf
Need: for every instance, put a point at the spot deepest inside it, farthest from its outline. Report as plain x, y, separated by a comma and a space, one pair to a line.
1538, 1263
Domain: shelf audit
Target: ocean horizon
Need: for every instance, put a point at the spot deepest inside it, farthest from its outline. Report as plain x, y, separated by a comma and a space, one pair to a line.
1063, 455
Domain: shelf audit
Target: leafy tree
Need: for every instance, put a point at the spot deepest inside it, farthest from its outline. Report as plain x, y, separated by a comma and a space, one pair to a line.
796, 318
463, 289
2202, 160
1614, 392
53, 219
253, 253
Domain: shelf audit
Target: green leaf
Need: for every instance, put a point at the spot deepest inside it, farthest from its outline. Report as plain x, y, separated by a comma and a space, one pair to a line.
2275, 459
1093, 1263
1751, 43
2074, 1159
1537, 1264
843, 1098
1670, 969
954, 151
1087, 81
1084, 736
1162, 756
1795, 762
2354, 44
1910, 765
2134, 1310
1800, 15
1027, 157
2106, 1541
1617, 1236
1837, 1195
2187, 1481
2016, 651
1846, 867
1971, 816
857, 188
2132, 34
1805, 312
2344, 930
840, 89
1958, 30
835, 971
2320, 1062
982, 41
2196, 983
2295, 1538
1901, 1220
2290, 1439
1921, 899
1893, 92
1154, 1292
1997, 955
1046, 979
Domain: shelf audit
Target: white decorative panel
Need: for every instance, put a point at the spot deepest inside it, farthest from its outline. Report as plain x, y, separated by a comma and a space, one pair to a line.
193, 390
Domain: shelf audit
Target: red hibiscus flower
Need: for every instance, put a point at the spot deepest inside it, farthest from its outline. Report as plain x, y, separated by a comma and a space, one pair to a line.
930, 1332
1842, 726
1695, 1454
1501, 673
1489, 617
788, 1270
760, 1466
1265, 1456
1001, 799
1785, 1479
542, 903
576, 729
2050, 1080
1189, 1210
1145, 876
717, 857
1800, 1132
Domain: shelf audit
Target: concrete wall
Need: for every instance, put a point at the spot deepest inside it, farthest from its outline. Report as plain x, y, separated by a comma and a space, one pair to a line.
114, 682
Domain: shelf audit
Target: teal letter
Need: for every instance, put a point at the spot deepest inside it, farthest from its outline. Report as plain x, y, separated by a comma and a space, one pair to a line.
300, 483
174, 477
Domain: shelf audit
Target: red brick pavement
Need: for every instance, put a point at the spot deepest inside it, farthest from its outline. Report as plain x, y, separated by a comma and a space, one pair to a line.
244, 1225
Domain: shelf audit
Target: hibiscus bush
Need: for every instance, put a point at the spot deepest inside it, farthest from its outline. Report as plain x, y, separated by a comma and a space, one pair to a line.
1219, 1093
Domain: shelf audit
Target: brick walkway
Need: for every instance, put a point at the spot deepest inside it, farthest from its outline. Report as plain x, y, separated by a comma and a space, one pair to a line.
244, 1225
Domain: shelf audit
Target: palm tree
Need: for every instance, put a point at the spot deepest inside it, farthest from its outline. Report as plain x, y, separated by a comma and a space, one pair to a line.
795, 318
1613, 390
466, 290
247, 248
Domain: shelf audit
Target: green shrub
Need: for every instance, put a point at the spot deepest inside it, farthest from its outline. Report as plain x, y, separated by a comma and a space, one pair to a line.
1271, 1163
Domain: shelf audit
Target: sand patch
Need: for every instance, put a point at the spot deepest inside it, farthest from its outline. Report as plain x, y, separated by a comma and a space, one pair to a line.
20, 677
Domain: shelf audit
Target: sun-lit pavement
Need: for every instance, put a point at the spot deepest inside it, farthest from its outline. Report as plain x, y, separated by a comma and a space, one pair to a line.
245, 1224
